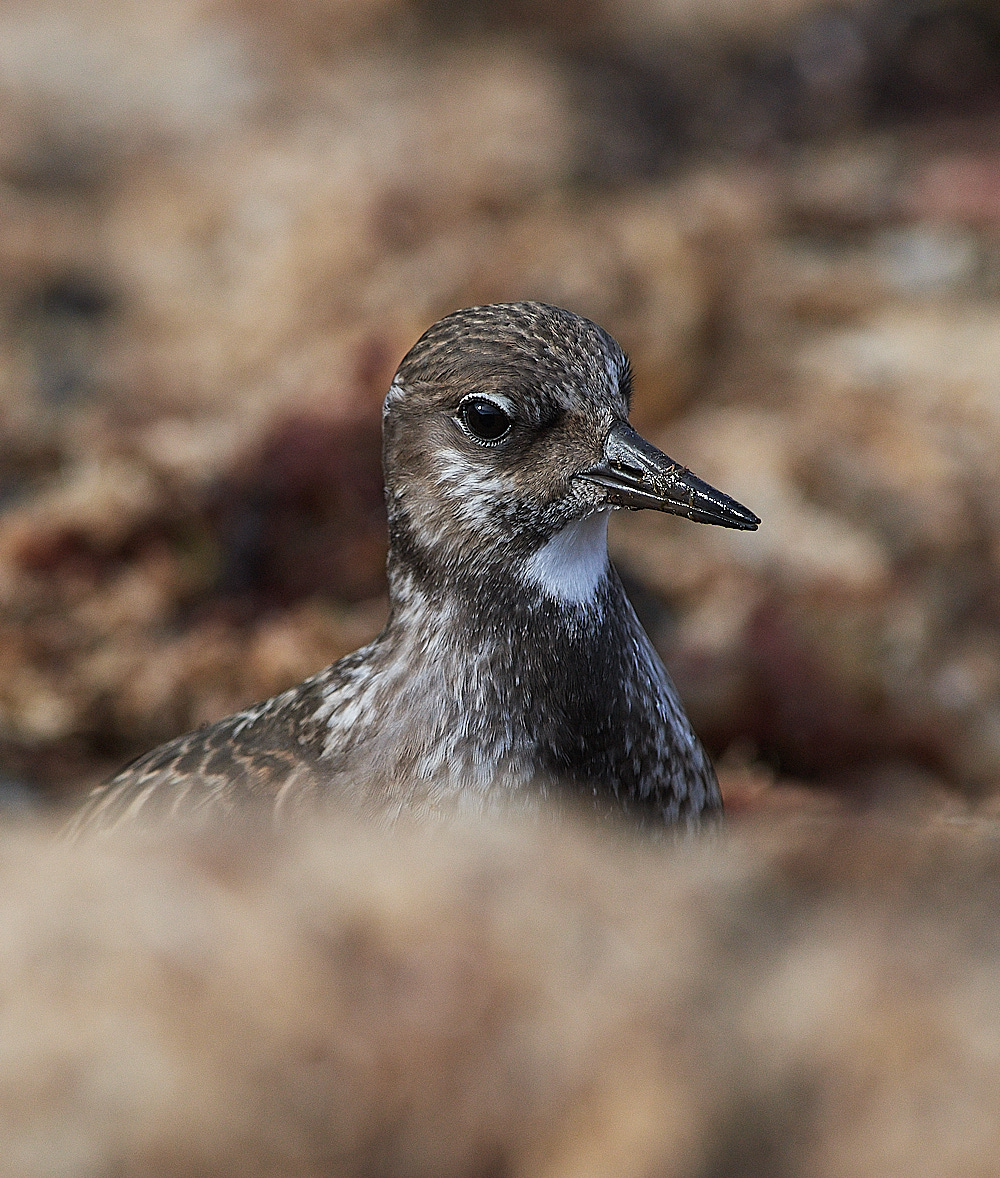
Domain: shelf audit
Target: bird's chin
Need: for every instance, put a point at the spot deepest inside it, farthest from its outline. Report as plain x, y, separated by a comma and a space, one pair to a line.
572, 564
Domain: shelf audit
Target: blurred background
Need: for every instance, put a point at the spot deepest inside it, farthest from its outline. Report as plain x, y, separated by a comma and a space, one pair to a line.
223, 223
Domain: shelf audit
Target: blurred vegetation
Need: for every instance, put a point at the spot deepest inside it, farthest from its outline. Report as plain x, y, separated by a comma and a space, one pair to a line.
222, 224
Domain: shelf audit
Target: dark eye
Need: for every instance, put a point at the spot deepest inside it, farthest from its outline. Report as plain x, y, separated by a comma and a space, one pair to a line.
484, 419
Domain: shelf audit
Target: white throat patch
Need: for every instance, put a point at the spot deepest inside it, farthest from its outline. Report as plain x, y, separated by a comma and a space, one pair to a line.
574, 562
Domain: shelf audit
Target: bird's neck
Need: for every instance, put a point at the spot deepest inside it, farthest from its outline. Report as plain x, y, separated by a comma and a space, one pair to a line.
541, 620
496, 585
502, 674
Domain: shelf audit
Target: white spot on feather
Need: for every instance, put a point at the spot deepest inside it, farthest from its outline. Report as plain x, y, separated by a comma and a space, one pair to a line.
574, 562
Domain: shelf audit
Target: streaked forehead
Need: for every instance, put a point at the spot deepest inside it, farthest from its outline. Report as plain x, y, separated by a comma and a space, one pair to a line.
531, 346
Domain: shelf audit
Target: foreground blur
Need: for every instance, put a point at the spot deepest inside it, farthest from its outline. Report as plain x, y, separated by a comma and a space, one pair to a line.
535, 999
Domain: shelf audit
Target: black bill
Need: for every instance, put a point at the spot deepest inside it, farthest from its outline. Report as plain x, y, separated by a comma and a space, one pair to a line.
636, 475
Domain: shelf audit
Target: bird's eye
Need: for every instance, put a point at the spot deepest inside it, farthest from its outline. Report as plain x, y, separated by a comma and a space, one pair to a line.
484, 419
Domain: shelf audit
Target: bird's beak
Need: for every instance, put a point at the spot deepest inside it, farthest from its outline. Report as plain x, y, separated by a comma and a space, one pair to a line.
636, 474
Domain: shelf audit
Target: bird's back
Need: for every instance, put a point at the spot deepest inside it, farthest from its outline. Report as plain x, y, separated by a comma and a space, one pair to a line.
256, 759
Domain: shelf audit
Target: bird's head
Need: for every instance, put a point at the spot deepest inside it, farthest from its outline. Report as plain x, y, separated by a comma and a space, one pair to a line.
506, 427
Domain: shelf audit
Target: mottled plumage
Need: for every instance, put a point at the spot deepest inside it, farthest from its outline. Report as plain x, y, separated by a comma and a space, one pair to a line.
512, 662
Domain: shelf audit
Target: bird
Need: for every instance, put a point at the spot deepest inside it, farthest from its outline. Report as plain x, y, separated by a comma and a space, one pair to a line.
512, 664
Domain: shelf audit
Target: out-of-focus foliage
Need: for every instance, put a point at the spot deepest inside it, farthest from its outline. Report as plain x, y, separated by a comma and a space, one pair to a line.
222, 224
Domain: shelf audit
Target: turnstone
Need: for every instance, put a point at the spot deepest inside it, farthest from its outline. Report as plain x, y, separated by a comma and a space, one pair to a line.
512, 662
